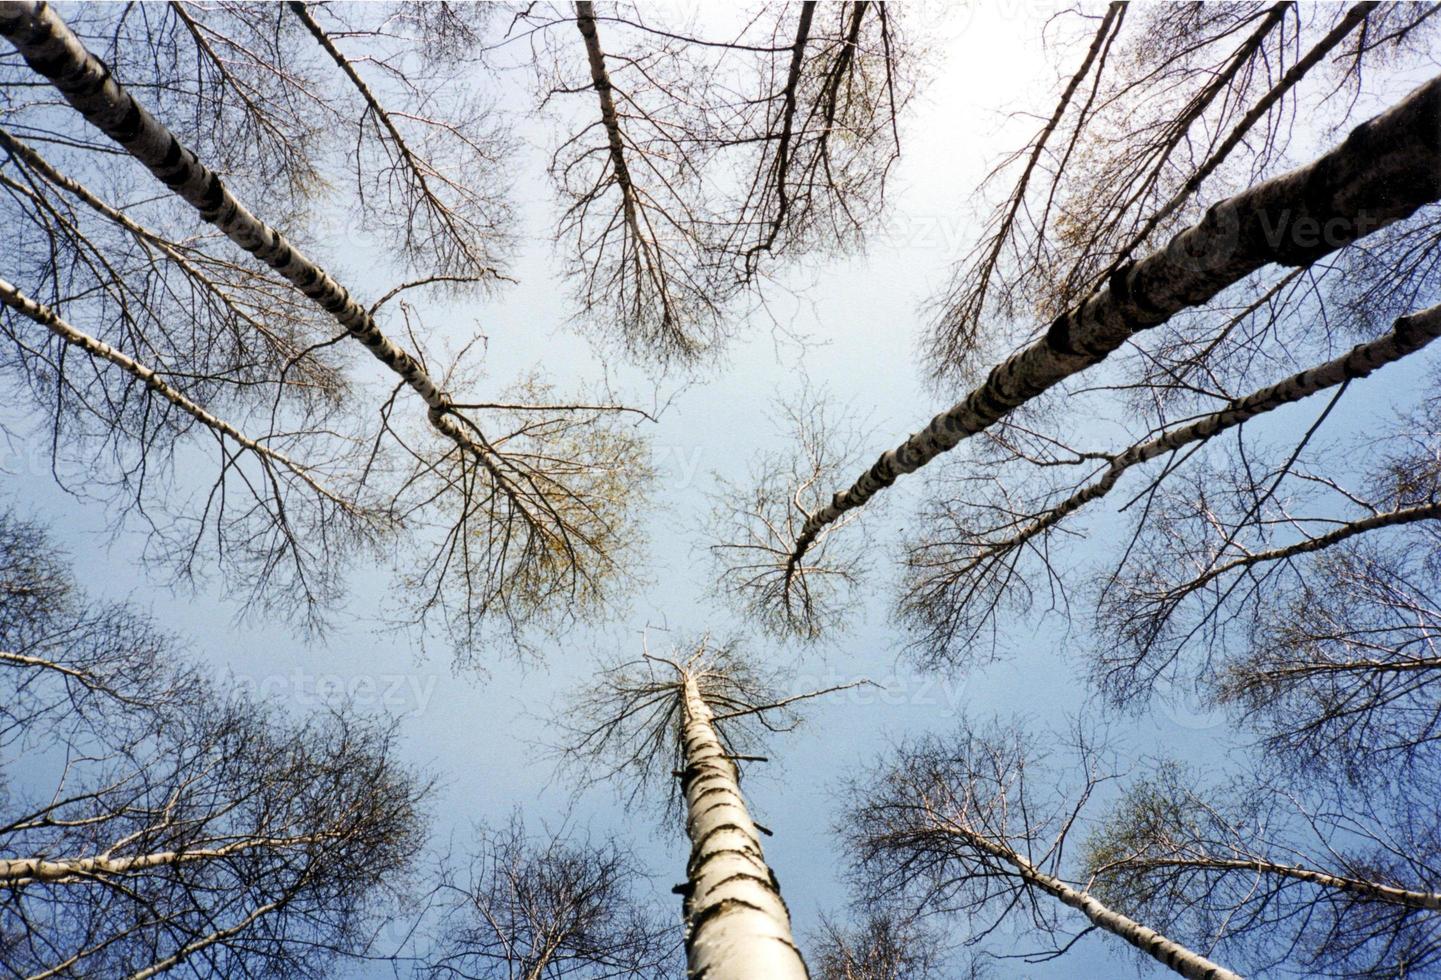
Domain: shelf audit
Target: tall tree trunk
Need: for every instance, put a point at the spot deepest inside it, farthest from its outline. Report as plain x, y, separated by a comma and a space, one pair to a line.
1355, 17
13, 298
1409, 335
1168, 952
1387, 168
18, 872
737, 926
53, 51
609, 118
214, 289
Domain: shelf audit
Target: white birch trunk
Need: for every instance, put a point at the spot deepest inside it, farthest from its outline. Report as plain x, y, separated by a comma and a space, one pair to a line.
737, 926
19, 872
1391, 894
52, 50
609, 118
1409, 335
1167, 952
1387, 168
46, 317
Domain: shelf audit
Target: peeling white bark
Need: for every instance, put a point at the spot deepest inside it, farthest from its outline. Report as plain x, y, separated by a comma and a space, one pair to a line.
737, 926
1387, 168
52, 49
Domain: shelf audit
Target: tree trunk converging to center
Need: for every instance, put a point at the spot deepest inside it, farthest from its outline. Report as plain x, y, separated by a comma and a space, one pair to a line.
1383, 172
737, 925
1172, 954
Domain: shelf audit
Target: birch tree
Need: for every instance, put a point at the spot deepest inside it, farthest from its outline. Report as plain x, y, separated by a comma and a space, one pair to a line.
1105, 177
548, 906
678, 727
427, 178
1167, 110
1388, 177
520, 504
955, 826
527, 520
281, 526
1314, 879
1214, 568
959, 574
159, 820
782, 489
701, 160
1340, 673
68, 660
